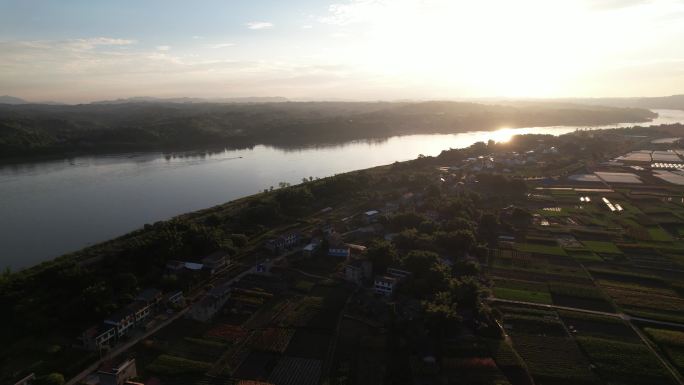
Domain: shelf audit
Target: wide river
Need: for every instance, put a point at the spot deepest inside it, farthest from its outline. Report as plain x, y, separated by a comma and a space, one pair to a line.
49, 208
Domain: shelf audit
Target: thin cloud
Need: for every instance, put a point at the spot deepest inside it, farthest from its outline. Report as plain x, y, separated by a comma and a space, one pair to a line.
163, 47
259, 25
220, 45
94, 42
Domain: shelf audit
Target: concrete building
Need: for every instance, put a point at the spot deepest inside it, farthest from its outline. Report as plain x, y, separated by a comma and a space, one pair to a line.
205, 309
215, 262
339, 251
282, 242
385, 285
120, 374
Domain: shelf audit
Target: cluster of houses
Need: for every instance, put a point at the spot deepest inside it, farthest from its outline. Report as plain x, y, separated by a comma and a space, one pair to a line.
211, 264
137, 314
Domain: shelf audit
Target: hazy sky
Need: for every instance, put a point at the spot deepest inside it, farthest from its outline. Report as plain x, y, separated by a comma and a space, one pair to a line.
82, 50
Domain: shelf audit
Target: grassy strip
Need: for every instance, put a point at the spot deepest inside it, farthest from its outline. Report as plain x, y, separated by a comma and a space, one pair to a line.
602, 247
522, 295
172, 365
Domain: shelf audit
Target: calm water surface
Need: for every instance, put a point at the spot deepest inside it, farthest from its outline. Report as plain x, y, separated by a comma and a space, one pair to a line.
53, 207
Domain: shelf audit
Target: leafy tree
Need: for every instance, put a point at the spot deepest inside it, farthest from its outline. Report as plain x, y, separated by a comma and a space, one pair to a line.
442, 314
488, 227
406, 220
427, 227
419, 262
239, 240
382, 254
521, 217
467, 291
51, 379
457, 242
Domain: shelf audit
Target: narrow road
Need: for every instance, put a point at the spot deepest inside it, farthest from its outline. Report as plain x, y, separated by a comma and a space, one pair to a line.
628, 319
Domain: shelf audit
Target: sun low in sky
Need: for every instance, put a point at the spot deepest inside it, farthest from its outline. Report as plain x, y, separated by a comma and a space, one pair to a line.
84, 50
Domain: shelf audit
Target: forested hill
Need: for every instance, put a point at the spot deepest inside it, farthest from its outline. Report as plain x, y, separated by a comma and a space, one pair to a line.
32, 130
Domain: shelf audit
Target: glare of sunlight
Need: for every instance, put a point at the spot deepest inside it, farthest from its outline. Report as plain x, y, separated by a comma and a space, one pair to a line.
503, 135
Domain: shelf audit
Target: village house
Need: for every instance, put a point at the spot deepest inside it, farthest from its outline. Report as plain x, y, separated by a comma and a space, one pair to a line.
353, 273
150, 296
123, 320
311, 248
120, 374
205, 309
384, 285
141, 310
339, 251
400, 275
175, 266
264, 267
175, 298
215, 262
99, 336
119, 324
327, 229
371, 216
358, 271
285, 241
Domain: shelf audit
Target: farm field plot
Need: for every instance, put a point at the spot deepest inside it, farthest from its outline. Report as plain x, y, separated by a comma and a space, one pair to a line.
538, 248
296, 371
659, 235
602, 247
517, 324
308, 344
671, 342
584, 255
257, 365
578, 296
272, 339
169, 365
649, 305
509, 362
554, 360
345, 359
521, 291
591, 325
623, 362
539, 276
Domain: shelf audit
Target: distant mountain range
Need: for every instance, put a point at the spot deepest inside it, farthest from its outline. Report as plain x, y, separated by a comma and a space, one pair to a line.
675, 102
6, 99
149, 99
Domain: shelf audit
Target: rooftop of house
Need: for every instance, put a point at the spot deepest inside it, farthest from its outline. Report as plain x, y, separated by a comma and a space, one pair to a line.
386, 279
120, 314
115, 369
216, 257
397, 272
148, 295
97, 330
193, 266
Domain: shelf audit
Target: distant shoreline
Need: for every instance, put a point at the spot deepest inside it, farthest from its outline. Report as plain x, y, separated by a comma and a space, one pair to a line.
37, 133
